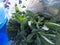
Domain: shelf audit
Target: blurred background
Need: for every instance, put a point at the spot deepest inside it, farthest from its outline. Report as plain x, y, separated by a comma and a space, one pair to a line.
48, 9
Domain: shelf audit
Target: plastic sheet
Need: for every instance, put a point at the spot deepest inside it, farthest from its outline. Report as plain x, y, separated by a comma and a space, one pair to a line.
52, 6
3, 21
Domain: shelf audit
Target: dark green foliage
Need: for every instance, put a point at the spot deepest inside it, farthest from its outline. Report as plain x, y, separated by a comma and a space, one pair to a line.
29, 29
12, 28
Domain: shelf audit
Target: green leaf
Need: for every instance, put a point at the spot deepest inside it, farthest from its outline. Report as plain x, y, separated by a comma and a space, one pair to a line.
38, 41
50, 23
29, 37
52, 35
20, 17
49, 41
57, 39
53, 26
16, 8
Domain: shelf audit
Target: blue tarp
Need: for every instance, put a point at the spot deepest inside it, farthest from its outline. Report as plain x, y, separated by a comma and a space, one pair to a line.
3, 21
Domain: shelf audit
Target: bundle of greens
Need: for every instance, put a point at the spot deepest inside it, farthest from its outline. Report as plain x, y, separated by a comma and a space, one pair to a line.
34, 29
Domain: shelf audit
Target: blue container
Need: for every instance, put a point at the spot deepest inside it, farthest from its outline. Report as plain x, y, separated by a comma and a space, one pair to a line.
3, 21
